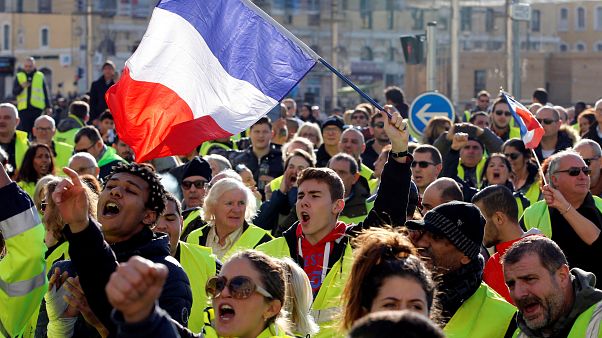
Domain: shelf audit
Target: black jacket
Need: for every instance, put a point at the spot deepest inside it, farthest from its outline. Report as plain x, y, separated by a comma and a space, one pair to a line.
97, 97
592, 134
95, 260
564, 141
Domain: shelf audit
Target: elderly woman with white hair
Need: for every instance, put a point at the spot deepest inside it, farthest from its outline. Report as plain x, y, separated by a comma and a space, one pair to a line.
228, 208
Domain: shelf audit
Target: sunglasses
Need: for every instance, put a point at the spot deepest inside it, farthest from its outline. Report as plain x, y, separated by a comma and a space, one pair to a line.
547, 121
503, 112
358, 117
379, 125
588, 161
575, 171
421, 164
75, 151
240, 287
199, 184
512, 156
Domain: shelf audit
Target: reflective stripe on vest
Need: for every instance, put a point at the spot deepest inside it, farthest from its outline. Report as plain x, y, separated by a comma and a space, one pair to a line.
538, 216
37, 91
484, 315
479, 172
191, 217
21, 288
593, 327
20, 223
21, 146
199, 265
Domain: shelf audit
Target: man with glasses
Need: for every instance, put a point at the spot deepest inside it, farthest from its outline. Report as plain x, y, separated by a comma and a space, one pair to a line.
88, 139
360, 118
554, 139
569, 214
591, 153
375, 145
194, 183
502, 123
426, 166
353, 143
84, 163
332, 129
43, 131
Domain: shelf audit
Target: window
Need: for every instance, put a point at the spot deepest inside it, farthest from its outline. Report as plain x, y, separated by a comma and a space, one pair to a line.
366, 14
418, 19
536, 20
45, 6
2, 5
580, 46
489, 20
313, 12
580, 22
466, 19
390, 14
6, 37
366, 54
480, 80
598, 18
563, 47
598, 46
44, 37
19, 6
563, 20
391, 56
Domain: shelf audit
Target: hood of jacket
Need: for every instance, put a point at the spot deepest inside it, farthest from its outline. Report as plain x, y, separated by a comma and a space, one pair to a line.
146, 243
68, 123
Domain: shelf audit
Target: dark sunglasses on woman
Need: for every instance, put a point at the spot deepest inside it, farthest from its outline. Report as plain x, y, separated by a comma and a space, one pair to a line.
240, 287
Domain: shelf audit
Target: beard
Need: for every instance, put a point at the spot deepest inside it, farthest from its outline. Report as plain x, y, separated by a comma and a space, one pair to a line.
551, 306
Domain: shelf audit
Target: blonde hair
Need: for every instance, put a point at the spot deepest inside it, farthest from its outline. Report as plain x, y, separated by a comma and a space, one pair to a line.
316, 128
299, 298
221, 187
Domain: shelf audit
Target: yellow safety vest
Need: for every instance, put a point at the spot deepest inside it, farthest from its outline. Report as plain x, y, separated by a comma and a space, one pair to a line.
191, 217
484, 315
367, 173
64, 152
199, 265
514, 132
534, 192
208, 144
61, 251
68, 136
538, 216
269, 332
327, 305
248, 240
21, 146
37, 91
479, 173
357, 219
586, 325
23, 280
29, 187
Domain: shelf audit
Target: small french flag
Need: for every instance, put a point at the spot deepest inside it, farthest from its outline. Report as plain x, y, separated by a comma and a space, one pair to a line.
205, 69
530, 130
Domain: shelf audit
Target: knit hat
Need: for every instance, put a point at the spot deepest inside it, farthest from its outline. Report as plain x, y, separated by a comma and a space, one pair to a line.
334, 120
197, 167
460, 222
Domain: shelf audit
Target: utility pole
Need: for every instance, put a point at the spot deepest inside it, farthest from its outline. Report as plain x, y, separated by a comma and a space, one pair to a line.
431, 56
509, 46
335, 50
89, 47
455, 51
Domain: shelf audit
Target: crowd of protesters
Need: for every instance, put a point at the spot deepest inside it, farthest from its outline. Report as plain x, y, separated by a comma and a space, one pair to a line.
307, 224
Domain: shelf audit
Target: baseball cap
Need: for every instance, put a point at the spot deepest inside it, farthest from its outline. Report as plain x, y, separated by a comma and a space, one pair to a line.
334, 121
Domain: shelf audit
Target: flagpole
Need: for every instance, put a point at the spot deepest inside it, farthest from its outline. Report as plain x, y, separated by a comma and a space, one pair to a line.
543, 177
312, 53
352, 85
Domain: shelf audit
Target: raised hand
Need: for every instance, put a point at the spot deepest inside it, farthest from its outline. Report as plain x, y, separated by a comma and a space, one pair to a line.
459, 141
72, 201
135, 286
397, 130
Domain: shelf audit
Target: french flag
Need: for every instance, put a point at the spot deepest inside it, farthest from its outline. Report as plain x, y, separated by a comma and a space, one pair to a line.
205, 69
530, 130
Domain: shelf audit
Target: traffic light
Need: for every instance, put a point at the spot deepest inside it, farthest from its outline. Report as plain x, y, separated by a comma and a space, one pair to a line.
413, 49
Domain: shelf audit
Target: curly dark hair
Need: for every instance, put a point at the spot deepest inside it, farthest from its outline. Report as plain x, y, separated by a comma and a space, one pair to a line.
156, 195
27, 173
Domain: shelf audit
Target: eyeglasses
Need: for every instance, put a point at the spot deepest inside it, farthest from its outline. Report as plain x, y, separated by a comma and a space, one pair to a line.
588, 161
199, 184
379, 125
503, 112
421, 164
44, 129
547, 121
575, 171
240, 287
358, 117
513, 156
75, 151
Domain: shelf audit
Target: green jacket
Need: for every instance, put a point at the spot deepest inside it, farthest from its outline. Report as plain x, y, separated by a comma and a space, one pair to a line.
23, 281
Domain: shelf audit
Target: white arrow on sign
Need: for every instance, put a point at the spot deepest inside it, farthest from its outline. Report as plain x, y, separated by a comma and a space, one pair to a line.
423, 114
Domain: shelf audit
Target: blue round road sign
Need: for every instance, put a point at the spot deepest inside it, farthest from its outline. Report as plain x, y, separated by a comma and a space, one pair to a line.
425, 107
